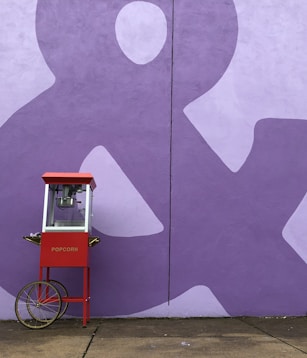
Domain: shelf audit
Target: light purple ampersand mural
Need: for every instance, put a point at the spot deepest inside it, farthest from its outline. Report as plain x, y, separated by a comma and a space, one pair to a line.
190, 117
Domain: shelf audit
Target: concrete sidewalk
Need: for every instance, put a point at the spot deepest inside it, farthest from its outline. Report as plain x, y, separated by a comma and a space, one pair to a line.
199, 337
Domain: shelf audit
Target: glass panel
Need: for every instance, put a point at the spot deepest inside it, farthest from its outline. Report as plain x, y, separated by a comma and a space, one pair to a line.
66, 205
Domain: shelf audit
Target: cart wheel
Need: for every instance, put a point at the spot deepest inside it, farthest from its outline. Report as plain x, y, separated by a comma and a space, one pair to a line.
64, 293
38, 304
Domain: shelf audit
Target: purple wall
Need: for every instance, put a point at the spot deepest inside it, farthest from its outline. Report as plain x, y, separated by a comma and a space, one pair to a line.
191, 117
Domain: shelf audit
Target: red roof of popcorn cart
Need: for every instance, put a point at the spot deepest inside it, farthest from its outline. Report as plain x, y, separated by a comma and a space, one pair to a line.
69, 178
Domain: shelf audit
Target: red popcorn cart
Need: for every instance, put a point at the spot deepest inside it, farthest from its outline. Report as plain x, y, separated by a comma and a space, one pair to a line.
65, 241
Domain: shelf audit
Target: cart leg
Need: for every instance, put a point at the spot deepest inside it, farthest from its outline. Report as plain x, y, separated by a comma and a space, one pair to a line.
41, 271
47, 274
88, 294
85, 295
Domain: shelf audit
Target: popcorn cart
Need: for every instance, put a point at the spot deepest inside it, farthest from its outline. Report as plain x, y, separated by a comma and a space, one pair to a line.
64, 242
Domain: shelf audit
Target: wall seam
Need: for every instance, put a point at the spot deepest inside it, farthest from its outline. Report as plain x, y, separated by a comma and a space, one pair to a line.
171, 153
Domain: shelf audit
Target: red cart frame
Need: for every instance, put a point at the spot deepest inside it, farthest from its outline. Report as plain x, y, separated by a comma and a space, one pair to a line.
65, 249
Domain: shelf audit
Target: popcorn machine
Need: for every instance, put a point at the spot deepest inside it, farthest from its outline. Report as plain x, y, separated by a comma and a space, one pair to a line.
64, 242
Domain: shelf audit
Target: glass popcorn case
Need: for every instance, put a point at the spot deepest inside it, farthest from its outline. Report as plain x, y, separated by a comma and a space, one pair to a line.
68, 202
